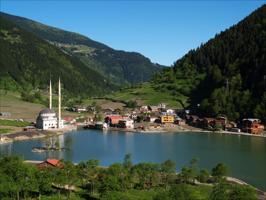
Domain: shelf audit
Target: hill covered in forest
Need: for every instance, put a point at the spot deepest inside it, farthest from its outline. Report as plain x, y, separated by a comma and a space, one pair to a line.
118, 66
27, 62
226, 75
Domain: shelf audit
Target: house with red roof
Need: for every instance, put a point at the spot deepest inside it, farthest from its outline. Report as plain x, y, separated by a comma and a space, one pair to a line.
50, 163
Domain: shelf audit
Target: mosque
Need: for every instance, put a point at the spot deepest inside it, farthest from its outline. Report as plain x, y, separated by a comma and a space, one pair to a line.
47, 118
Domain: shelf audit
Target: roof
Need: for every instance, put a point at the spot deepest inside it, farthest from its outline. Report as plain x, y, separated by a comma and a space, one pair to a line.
251, 119
53, 162
50, 163
114, 116
154, 107
209, 119
46, 111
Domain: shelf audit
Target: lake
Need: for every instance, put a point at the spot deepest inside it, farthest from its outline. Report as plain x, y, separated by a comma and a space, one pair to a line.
245, 156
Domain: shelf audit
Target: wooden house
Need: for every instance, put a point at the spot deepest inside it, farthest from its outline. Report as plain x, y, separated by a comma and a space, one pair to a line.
50, 163
252, 126
167, 119
113, 119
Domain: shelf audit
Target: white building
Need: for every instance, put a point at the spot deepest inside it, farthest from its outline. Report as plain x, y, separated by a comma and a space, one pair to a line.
170, 111
127, 123
47, 118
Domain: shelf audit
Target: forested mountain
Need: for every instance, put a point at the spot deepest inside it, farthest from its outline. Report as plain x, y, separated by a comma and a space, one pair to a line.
227, 75
119, 66
27, 62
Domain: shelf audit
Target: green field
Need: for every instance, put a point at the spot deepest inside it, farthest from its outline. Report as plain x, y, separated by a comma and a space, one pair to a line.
5, 122
199, 193
146, 94
5, 130
11, 102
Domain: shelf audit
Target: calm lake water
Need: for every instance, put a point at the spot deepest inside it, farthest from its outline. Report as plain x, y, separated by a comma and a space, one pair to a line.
245, 156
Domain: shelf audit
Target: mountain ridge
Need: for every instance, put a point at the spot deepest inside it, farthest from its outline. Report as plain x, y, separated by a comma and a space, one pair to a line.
119, 66
27, 62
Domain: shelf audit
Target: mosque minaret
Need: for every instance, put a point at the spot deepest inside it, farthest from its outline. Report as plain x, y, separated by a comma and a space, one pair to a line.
47, 118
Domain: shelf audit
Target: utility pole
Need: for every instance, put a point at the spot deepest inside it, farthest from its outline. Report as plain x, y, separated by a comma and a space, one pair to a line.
264, 77
227, 85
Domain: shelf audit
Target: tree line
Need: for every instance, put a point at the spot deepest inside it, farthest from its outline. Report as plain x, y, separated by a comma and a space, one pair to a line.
88, 180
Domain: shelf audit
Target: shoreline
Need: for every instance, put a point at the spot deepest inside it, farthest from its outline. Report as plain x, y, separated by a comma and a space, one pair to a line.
31, 135
37, 134
183, 130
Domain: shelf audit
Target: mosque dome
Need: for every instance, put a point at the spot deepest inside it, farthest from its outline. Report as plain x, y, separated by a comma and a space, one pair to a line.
46, 111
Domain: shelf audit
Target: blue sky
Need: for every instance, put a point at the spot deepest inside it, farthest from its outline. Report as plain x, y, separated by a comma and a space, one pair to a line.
161, 30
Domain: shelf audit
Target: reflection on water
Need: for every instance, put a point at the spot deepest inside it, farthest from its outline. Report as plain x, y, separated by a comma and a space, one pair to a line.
246, 156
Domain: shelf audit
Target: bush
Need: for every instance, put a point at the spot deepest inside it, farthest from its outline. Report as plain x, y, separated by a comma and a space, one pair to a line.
219, 170
131, 104
203, 176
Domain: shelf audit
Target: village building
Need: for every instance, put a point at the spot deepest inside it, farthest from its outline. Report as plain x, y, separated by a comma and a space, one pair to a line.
79, 109
192, 119
50, 163
170, 111
153, 119
153, 108
221, 121
144, 109
5, 114
69, 120
252, 126
179, 121
167, 119
113, 119
162, 106
108, 111
208, 122
126, 123
134, 115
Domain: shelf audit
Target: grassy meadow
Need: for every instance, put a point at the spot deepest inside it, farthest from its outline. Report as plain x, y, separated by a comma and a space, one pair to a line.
146, 94
11, 102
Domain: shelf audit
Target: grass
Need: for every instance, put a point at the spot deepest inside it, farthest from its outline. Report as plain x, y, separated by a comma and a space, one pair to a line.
131, 195
6, 122
11, 102
146, 94
199, 193
5, 130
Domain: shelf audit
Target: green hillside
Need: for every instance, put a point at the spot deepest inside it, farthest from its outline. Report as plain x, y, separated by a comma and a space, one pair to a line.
149, 94
27, 62
227, 75
119, 66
